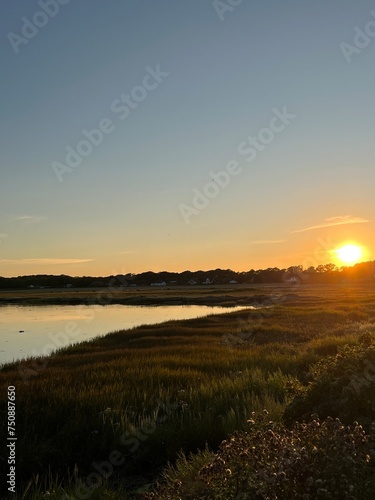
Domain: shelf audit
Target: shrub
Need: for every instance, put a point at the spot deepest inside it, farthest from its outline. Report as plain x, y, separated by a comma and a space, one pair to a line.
320, 459
342, 386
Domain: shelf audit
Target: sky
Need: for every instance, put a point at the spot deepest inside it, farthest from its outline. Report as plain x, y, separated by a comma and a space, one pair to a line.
172, 135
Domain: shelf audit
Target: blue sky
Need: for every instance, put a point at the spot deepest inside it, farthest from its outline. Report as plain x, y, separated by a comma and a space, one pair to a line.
225, 72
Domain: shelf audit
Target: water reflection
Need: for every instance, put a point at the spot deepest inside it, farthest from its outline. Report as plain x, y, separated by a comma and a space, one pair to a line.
33, 331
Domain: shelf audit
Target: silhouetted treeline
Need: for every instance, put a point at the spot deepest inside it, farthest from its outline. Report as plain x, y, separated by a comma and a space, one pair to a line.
329, 274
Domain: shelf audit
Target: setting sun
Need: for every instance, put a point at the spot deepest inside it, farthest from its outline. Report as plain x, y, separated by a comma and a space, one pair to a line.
349, 254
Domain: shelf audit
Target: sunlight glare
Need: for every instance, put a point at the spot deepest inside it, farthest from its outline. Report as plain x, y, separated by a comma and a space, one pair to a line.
349, 254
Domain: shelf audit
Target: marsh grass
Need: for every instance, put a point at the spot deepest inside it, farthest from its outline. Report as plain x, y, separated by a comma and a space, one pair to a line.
77, 408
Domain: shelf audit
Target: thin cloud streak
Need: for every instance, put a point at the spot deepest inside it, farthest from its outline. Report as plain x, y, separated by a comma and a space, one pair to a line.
44, 261
334, 221
31, 219
266, 242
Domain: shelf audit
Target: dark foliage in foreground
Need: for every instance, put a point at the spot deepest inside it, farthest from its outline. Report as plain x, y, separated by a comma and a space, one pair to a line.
321, 459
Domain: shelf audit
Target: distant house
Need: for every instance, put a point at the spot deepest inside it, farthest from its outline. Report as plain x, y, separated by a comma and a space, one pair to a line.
163, 283
293, 279
233, 282
208, 281
69, 285
192, 282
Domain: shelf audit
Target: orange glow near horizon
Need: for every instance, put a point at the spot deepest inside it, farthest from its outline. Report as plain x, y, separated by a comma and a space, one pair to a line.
339, 248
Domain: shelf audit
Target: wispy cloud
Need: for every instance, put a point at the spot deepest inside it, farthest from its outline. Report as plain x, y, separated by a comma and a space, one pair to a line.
30, 219
44, 261
266, 242
334, 221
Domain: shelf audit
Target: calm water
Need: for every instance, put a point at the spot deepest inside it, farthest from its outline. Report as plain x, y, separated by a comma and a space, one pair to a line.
39, 330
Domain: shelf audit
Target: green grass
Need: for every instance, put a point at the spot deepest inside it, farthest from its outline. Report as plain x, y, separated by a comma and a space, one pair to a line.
154, 391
